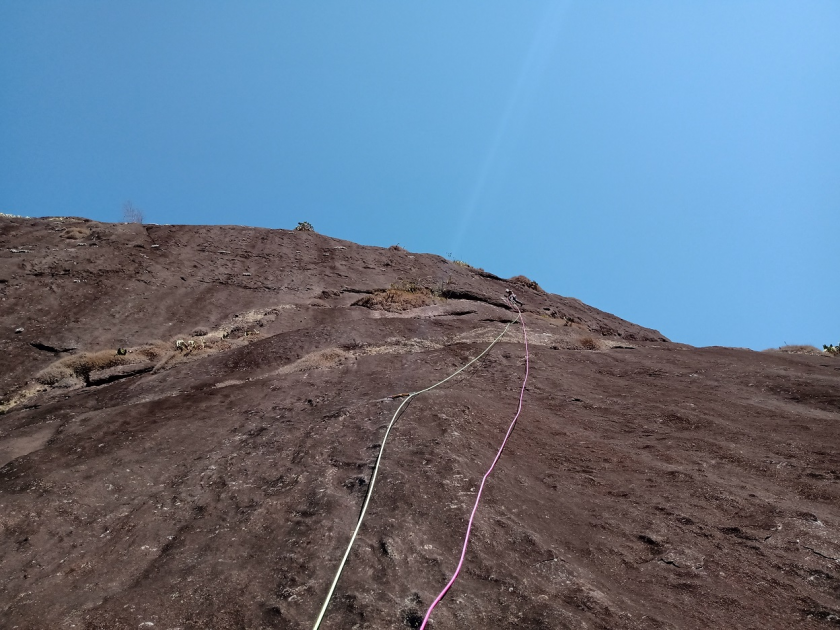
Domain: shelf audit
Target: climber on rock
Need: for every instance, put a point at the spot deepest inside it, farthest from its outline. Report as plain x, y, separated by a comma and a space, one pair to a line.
511, 296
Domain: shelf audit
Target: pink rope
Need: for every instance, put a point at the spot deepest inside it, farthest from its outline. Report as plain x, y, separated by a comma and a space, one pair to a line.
487, 474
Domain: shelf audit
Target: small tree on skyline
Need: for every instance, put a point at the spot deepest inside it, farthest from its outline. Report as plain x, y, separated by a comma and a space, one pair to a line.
131, 213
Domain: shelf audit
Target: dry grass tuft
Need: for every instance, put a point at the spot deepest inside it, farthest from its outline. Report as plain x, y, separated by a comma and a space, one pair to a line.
75, 370
527, 282
410, 286
20, 396
81, 365
588, 343
477, 270
402, 296
155, 350
799, 349
53, 374
75, 233
319, 360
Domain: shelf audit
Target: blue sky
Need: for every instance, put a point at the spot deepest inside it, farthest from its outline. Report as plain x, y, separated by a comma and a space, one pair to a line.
674, 163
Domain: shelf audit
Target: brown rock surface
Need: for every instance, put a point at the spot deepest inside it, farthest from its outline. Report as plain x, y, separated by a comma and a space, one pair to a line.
648, 484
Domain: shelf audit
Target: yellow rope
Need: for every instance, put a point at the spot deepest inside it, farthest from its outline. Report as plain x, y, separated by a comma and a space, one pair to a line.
376, 470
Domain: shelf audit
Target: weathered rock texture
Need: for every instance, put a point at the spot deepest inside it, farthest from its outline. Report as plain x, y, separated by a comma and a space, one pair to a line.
648, 484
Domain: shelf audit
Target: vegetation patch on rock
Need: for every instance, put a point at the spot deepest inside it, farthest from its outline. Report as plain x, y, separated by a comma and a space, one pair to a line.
799, 349
527, 282
402, 296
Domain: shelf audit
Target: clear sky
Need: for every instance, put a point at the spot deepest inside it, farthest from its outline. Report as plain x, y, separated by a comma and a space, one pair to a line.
675, 163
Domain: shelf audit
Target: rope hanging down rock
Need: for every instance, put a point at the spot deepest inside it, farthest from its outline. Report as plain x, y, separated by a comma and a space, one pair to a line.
379, 459
487, 474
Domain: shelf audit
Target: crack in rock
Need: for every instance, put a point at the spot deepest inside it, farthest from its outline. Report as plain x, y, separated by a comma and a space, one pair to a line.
48, 348
822, 555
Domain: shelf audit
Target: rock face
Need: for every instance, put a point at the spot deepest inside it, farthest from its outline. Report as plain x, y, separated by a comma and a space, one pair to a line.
215, 483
